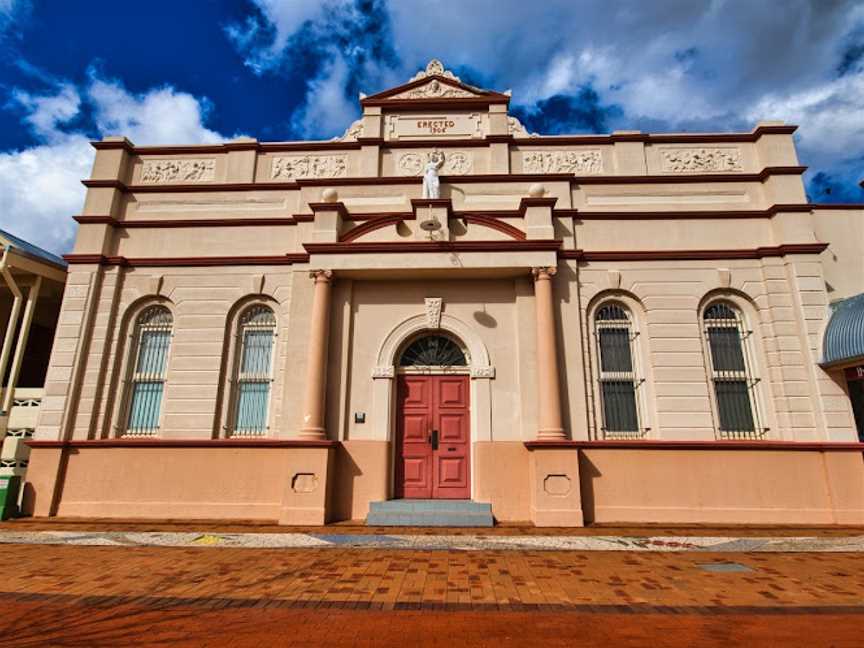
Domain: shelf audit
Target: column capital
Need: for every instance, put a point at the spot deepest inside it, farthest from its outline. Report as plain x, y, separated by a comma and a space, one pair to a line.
544, 273
321, 276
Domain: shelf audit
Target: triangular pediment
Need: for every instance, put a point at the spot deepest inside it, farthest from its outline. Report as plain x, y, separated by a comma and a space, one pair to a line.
434, 84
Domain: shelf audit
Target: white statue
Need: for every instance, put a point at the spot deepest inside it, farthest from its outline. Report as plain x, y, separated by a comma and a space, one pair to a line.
431, 184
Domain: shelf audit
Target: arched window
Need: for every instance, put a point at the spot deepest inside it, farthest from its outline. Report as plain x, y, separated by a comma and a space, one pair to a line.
734, 384
151, 342
254, 370
619, 382
433, 351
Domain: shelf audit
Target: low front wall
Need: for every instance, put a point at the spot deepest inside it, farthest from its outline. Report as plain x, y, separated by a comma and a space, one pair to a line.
549, 484
719, 486
288, 484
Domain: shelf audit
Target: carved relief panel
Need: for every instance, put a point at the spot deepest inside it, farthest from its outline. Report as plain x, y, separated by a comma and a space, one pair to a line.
576, 162
309, 166
195, 170
700, 160
455, 163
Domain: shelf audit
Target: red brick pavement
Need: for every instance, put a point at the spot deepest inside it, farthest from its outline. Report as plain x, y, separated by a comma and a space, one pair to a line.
124, 596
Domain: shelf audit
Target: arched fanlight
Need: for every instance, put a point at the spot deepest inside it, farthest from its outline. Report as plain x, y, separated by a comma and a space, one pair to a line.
433, 351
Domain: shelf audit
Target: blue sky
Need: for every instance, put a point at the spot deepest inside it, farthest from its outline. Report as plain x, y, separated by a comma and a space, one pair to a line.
193, 71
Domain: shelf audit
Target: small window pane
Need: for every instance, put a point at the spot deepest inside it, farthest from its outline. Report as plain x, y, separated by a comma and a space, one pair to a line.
145, 406
252, 406
615, 350
257, 351
619, 406
726, 351
733, 403
153, 351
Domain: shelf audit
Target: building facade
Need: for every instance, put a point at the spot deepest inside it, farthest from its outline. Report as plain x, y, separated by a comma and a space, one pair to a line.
439, 304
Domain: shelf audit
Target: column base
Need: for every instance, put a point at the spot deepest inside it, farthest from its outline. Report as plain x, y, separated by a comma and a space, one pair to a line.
313, 434
551, 434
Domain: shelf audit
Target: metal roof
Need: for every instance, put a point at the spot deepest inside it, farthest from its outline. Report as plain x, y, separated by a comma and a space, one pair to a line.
10, 240
844, 336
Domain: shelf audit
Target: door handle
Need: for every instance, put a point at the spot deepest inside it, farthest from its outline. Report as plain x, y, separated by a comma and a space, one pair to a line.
433, 439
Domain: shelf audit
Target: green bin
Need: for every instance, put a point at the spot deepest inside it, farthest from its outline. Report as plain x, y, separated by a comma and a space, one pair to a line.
9, 486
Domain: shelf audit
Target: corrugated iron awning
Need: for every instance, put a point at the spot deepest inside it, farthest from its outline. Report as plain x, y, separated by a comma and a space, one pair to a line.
844, 336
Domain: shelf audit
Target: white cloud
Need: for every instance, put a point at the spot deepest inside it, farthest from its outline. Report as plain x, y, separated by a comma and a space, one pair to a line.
326, 111
285, 17
160, 116
46, 113
41, 188
830, 116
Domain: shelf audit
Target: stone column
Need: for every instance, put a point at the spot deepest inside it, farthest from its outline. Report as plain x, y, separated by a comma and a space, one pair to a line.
549, 422
316, 368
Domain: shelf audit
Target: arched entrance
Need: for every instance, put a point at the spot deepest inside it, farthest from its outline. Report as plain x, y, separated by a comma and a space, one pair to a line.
433, 421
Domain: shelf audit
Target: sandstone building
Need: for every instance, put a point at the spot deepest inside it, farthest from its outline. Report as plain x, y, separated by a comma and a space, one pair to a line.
605, 328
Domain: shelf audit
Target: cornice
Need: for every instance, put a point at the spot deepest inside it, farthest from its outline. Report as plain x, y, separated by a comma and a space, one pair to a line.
428, 104
659, 138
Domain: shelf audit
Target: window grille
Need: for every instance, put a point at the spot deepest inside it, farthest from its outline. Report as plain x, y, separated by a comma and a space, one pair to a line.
731, 374
619, 383
151, 343
257, 328
433, 351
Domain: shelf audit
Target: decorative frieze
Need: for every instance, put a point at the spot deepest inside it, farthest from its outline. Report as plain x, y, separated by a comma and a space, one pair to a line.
575, 162
195, 170
455, 163
309, 166
700, 160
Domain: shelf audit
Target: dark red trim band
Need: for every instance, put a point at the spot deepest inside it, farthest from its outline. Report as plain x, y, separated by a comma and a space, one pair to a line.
145, 262
370, 226
669, 215
185, 443
432, 246
693, 255
493, 223
654, 444
186, 222
464, 179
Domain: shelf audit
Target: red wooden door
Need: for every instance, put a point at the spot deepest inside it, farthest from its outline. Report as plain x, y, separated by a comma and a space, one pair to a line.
430, 407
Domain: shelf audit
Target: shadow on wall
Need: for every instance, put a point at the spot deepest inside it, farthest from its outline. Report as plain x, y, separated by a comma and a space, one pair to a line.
588, 472
342, 496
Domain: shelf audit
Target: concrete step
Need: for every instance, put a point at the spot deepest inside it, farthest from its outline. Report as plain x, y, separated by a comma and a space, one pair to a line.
436, 513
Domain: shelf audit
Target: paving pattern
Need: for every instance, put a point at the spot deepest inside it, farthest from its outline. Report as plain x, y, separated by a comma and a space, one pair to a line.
344, 596
464, 542
96, 583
